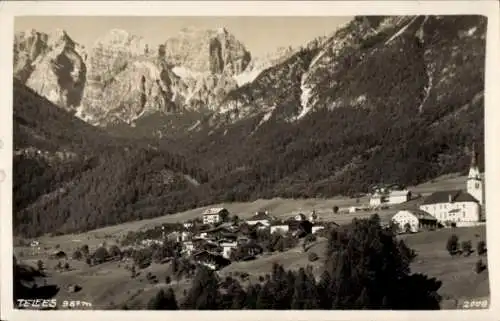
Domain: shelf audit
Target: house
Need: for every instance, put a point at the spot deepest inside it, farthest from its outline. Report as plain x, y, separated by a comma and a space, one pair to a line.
399, 196
250, 250
211, 260
188, 247
300, 228
242, 240
316, 228
377, 199
353, 209
218, 232
260, 226
300, 217
188, 225
464, 208
454, 206
227, 247
282, 228
314, 216
149, 242
185, 236
58, 255
215, 215
260, 217
34, 243
414, 220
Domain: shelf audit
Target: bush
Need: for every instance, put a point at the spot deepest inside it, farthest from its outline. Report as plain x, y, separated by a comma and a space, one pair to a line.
467, 247
77, 255
313, 257
168, 279
39, 265
114, 251
480, 266
452, 244
481, 248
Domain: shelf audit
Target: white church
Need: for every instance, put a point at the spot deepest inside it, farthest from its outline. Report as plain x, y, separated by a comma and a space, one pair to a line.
463, 208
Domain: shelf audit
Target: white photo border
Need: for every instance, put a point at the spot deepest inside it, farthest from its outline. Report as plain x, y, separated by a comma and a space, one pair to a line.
490, 9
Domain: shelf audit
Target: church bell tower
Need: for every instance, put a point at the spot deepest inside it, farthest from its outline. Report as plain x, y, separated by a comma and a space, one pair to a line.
475, 183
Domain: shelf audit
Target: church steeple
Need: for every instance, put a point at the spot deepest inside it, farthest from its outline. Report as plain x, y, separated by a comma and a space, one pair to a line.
474, 180
473, 161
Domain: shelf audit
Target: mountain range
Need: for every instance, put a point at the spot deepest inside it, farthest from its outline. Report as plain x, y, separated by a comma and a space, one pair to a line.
124, 131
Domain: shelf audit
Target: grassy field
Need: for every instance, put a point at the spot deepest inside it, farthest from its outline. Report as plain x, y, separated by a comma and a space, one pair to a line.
110, 283
279, 207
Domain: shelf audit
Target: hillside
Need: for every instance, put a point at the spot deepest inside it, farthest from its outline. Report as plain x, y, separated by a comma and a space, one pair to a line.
401, 103
383, 99
71, 176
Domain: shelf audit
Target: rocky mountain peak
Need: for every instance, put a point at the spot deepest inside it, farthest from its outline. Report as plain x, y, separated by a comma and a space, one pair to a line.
214, 51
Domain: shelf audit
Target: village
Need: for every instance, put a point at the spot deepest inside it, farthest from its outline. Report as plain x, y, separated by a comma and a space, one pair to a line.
218, 237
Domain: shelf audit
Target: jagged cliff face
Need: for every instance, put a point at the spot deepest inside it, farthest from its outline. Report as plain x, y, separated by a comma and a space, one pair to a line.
207, 51
383, 99
52, 65
122, 78
404, 64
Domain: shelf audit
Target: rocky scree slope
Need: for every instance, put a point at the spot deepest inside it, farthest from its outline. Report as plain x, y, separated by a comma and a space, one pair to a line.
121, 78
392, 99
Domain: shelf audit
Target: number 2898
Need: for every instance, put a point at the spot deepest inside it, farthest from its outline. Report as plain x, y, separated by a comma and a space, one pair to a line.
475, 304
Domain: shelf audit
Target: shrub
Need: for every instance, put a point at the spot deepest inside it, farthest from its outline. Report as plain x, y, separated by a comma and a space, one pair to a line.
114, 251
313, 257
481, 248
168, 279
480, 266
66, 266
39, 265
467, 247
101, 254
77, 255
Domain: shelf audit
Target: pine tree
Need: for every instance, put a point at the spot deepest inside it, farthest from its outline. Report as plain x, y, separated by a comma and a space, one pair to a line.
265, 298
368, 267
452, 244
252, 296
204, 292
163, 301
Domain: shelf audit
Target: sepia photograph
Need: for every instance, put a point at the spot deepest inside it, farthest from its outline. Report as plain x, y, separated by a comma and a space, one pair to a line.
249, 162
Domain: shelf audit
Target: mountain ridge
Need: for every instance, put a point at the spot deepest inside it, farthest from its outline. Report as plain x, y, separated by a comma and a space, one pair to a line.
382, 99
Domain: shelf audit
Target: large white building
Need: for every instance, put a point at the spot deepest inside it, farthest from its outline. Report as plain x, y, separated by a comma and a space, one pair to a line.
414, 220
457, 206
398, 197
260, 217
214, 215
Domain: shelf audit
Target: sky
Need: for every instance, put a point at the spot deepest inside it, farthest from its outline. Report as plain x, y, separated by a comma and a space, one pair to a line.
259, 34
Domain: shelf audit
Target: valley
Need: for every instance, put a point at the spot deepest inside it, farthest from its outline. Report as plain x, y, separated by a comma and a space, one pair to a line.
134, 164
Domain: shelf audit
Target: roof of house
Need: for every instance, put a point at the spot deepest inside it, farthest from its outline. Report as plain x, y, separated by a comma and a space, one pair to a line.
399, 193
302, 216
213, 210
444, 197
219, 259
260, 216
421, 215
